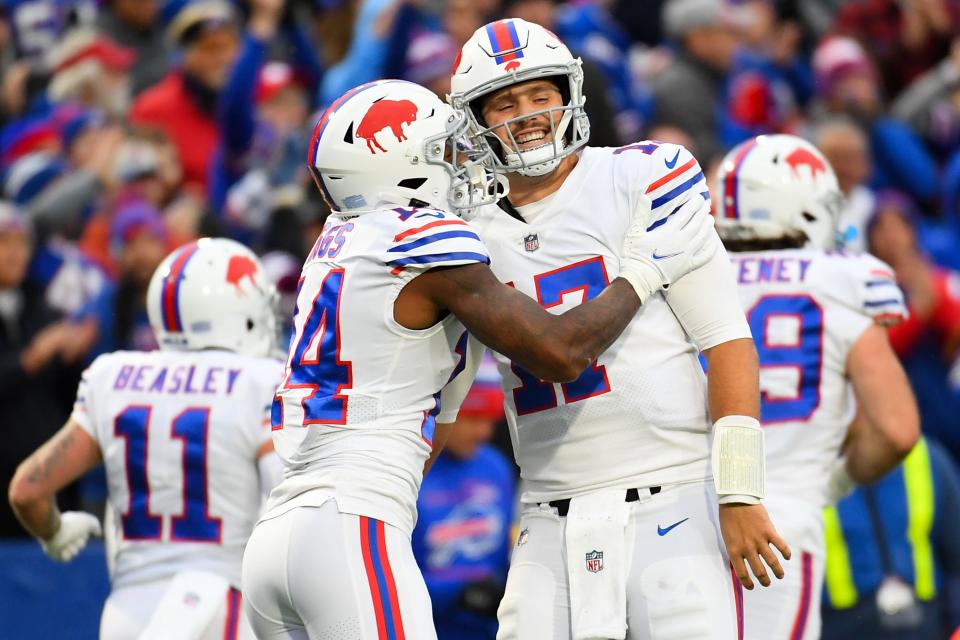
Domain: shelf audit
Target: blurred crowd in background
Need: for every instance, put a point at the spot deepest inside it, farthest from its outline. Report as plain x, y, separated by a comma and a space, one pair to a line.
128, 127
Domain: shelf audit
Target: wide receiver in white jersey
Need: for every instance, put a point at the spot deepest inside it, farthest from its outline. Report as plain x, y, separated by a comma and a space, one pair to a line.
387, 296
185, 438
816, 314
620, 527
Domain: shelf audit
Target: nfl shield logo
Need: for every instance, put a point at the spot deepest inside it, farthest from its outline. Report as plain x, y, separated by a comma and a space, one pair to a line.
531, 242
595, 561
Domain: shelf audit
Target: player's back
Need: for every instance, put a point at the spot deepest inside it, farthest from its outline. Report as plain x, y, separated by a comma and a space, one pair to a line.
355, 414
806, 309
179, 432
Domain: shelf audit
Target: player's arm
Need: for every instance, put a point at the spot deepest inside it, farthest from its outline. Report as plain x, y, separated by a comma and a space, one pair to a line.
553, 348
269, 468
706, 303
440, 435
732, 392
558, 348
452, 397
69, 454
888, 423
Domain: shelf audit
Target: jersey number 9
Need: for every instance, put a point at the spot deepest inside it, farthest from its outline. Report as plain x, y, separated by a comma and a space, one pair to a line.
788, 331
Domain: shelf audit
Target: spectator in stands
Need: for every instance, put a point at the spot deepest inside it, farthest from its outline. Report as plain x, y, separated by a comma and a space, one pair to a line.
366, 56
117, 318
184, 103
687, 93
931, 104
135, 24
430, 57
946, 250
144, 167
933, 294
27, 135
893, 557
848, 150
261, 120
462, 538
89, 145
588, 29
927, 341
905, 38
92, 70
846, 84
770, 80
34, 396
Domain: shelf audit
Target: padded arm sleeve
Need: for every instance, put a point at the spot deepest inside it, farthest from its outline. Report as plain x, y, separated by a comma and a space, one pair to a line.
707, 304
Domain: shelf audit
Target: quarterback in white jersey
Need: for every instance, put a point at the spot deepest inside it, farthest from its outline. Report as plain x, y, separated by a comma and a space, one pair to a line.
815, 313
386, 298
620, 529
180, 432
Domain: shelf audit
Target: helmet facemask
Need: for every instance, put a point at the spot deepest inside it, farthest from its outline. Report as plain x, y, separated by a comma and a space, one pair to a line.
568, 133
466, 159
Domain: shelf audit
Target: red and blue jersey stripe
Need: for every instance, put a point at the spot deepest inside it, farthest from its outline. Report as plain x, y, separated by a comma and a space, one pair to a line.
504, 40
671, 190
738, 602
170, 289
231, 626
450, 241
806, 588
383, 587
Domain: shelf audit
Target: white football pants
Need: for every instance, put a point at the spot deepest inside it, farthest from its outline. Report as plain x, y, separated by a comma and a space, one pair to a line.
788, 609
680, 585
316, 573
128, 610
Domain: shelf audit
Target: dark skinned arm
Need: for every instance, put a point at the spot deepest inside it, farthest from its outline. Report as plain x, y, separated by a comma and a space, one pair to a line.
555, 348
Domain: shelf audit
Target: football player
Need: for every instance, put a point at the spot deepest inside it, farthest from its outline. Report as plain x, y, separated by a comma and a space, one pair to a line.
620, 518
387, 296
817, 316
183, 433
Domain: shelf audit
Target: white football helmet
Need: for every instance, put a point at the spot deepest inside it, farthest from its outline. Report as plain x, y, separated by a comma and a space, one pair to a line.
508, 52
213, 294
390, 143
778, 186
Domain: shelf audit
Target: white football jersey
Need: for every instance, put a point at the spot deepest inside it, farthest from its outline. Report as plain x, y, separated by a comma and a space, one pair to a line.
355, 414
179, 432
638, 416
807, 308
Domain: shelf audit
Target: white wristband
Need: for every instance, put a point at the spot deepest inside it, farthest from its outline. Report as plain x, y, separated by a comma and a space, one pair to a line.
738, 459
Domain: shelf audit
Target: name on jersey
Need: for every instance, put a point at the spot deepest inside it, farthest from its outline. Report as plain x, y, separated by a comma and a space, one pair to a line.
182, 379
755, 270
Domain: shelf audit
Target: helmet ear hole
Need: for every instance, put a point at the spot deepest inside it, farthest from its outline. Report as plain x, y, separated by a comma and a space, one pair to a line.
412, 183
250, 324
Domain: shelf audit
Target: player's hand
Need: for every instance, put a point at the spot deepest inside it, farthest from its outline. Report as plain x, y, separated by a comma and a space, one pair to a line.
839, 484
654, 259
76, 527
748, 534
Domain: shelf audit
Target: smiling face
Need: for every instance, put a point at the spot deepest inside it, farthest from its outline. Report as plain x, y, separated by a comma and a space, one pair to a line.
517, 101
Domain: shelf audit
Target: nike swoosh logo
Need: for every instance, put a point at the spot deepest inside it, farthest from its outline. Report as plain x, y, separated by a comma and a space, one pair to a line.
672, 163
655, 256
662, 532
